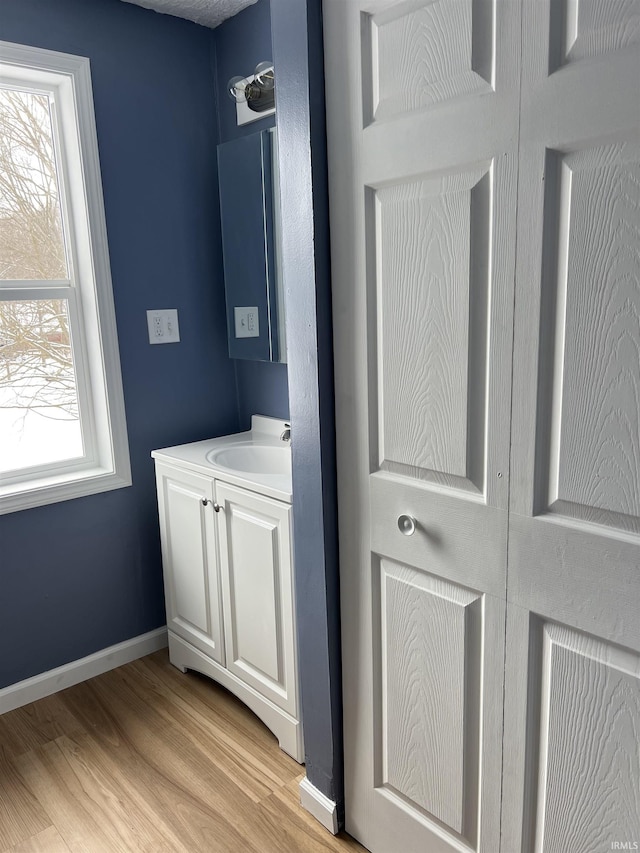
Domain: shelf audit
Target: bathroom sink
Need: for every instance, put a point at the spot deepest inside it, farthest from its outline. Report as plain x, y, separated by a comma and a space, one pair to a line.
260, 459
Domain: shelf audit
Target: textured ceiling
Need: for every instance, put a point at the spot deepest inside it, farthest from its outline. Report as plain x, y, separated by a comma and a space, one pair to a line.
209, 13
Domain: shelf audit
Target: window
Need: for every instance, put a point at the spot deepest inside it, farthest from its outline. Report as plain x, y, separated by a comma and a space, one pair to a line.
62, 423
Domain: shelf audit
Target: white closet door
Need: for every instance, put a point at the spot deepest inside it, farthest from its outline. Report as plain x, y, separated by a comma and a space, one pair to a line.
572, 715
423, 134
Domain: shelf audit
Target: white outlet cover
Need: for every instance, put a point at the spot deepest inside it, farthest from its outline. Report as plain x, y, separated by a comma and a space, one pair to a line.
247, 322
163, 326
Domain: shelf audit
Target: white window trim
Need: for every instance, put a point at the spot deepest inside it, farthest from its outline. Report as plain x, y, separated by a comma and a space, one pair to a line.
109, 468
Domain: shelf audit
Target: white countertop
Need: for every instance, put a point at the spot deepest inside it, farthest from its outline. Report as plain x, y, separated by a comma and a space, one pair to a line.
264, 431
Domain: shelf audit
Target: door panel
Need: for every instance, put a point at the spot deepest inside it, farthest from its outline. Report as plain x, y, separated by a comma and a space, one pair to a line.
571, 717
258, 598
589, 28
190, 559
256, 633
422, 142
589, 758
430, 650
432, 241
591, 416
426, 52
186, 541
572, 686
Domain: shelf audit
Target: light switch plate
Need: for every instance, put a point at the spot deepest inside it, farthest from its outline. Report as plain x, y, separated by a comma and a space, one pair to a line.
247, 322
163, 326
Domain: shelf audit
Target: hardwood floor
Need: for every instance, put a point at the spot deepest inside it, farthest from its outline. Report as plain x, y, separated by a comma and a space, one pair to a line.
144, 758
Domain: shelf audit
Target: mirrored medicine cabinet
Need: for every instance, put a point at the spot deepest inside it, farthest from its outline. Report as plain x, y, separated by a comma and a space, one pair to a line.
249, 212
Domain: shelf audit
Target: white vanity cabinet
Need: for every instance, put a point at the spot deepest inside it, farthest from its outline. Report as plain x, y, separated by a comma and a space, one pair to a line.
227, 560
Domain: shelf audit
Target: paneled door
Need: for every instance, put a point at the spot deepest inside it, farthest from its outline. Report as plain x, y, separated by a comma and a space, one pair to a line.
423, 142
255, 561
430, 139
572, 712
190, 557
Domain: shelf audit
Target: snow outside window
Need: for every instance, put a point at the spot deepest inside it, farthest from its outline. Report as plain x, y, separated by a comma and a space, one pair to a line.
62, 423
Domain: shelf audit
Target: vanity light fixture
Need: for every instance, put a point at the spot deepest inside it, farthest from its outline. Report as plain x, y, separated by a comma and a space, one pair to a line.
257, 91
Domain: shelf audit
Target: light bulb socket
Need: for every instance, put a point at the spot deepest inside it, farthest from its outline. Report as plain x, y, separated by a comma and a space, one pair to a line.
258, 91
259, 100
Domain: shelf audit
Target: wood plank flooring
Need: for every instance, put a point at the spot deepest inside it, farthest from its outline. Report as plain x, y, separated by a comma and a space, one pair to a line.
144, 758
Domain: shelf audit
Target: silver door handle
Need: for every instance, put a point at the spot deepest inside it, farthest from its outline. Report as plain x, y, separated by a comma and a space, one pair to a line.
407, 525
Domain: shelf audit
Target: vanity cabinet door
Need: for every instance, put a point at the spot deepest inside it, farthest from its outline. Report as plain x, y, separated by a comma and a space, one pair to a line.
190, 560
255, 558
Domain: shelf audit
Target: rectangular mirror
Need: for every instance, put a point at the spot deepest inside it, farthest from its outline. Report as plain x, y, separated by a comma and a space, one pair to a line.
247, 170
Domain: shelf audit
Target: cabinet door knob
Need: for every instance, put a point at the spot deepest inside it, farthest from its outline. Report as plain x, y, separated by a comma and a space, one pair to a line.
407, 525
216, 505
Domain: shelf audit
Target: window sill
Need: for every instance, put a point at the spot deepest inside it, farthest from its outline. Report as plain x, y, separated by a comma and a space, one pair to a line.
61, 487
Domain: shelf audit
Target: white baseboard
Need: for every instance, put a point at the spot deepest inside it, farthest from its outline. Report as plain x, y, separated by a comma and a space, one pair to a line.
321, 807
31, 689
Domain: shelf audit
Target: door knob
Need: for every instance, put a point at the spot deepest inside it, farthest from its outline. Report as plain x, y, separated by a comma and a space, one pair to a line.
406, 525
217, 506
205, 501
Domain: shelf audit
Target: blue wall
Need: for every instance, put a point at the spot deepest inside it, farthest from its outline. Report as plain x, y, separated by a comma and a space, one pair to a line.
240, 43
78, 576
297, 52
296, 39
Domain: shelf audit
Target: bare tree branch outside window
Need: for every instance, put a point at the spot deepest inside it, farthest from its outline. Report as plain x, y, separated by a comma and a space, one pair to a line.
36, 360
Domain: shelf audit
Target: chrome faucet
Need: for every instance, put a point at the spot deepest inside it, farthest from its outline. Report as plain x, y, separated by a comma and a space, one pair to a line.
286, 433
